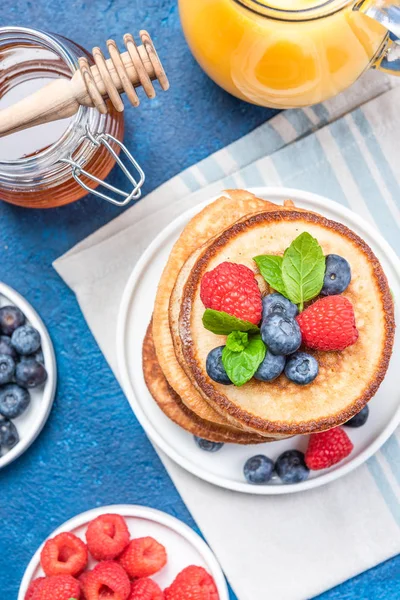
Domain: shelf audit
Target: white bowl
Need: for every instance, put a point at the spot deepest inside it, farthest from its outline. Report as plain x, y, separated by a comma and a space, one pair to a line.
184, 547
225, 468
32, 421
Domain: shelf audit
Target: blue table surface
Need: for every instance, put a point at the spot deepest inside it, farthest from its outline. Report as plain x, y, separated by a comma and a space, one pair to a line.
92, 451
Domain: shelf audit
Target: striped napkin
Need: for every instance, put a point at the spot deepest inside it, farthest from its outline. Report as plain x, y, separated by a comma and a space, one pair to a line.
292, 547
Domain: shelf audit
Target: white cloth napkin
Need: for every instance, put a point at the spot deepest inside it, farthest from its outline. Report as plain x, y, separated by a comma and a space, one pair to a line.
287, 547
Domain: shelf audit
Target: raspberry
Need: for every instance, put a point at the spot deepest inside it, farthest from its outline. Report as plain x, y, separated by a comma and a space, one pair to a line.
328, 324
145, 589
193, 583
33, 587
107, 580
107, 536
65, 554
82, 580
327, 448
233, 289
58, 587
143, 557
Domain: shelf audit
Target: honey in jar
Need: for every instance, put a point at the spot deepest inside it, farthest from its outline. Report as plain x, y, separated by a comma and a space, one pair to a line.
32, 168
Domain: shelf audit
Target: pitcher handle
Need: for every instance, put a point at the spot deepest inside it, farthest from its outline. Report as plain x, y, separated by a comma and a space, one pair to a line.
387, 13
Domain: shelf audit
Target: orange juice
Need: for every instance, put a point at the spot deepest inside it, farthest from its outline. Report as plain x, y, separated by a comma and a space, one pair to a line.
284, 53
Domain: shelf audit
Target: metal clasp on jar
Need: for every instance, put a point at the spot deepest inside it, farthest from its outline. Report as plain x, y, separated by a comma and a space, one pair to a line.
136, 178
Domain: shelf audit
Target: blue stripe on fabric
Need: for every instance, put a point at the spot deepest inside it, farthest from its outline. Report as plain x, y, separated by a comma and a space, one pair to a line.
384, 487
322, 113
264, 140
211, 170
229, 182
252, 177
304, 165
189, 180
391, 451
365, 182
299, 120
374, 147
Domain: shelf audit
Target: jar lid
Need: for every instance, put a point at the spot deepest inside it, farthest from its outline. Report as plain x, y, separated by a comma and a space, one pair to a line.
44, 166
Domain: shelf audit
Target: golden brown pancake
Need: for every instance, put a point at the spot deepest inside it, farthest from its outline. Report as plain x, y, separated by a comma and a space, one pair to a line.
212, 220
174, 309
172, 406
347, 379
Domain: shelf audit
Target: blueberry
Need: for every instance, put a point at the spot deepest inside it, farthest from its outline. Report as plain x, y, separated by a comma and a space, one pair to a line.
301, 368
26, 340
291, 467
359, 419
281, 334
258, 469
276, 303
6, 347
215, 368
7, 368
38, 356
271, 367
8, 434
30, 373
206, 445
10, 319
337, 275
14, 400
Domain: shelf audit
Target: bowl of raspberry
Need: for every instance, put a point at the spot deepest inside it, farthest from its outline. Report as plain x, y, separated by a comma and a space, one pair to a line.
123, 552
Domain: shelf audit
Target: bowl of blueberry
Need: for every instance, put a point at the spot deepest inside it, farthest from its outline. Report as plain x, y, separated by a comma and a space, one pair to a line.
27, 374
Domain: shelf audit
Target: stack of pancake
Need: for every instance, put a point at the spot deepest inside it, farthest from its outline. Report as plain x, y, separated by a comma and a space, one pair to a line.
237, 227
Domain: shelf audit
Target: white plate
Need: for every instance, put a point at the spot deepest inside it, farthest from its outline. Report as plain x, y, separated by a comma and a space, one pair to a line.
225, 468
32, 421
184, 547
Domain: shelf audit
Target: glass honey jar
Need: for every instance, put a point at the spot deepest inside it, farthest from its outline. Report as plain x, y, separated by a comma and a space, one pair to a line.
55, 163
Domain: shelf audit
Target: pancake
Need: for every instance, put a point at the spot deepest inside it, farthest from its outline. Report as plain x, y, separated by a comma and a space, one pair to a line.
212, 220
347, 379
174, 310
173, 407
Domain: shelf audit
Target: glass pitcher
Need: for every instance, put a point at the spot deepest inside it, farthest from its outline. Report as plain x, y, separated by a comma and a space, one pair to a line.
291, 53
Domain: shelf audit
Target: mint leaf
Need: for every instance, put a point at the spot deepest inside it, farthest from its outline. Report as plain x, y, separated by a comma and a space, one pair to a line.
237, 341
241, 366
303, 269
270, 267
221, 323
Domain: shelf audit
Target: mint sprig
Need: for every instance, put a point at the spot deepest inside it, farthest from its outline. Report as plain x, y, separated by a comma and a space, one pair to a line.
299, 274
270, 267
303, 269
221, 323
237, 341
241, 364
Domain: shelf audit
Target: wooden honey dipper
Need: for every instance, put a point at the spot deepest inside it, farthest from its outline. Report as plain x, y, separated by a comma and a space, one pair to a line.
91, 85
